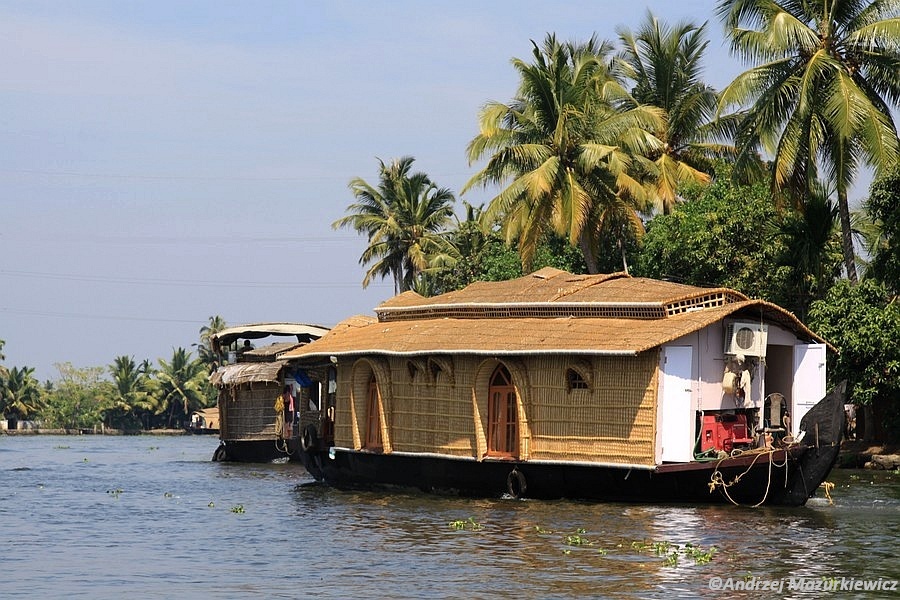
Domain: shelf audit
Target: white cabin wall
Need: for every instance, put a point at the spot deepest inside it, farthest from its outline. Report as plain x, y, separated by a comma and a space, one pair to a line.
709, 365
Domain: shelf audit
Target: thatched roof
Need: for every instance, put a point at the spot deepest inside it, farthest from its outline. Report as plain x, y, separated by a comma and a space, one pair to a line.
548, 312
210, 416
252, 372
554, 293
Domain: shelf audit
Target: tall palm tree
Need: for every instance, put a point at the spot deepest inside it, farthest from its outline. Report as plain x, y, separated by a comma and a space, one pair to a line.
818, 99
564, 150
404, 219
131, 395
665, 65
21, 393
204, 348
182, 384
812, 247
3, 370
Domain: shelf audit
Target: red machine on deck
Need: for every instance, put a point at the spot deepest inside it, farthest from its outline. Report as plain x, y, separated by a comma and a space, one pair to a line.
724, 431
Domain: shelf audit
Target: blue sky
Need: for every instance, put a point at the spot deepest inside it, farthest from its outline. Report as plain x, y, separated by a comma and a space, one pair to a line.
162, 162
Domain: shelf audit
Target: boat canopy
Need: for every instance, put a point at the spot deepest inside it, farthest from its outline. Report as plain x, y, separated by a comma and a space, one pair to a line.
301, 331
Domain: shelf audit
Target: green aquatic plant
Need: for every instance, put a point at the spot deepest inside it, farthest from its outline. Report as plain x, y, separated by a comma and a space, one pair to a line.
576, 539
238, 509
700, 556
541, 530
672, 552
661, 548
471, 524
115, 493
211, 504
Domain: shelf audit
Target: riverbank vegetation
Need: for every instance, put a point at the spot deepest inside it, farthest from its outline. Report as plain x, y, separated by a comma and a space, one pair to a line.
124, 395
617, 156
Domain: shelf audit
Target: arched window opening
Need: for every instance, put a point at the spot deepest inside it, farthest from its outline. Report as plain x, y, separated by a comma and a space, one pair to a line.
575, 380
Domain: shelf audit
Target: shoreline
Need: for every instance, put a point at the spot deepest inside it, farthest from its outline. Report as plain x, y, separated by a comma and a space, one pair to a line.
859, 454
88, 431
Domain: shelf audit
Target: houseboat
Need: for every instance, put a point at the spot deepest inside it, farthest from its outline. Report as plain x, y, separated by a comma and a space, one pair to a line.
259, 398
602, 387
204, 421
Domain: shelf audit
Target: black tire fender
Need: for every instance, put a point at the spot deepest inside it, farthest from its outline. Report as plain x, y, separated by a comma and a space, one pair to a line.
309, 440
220, 454
516, 484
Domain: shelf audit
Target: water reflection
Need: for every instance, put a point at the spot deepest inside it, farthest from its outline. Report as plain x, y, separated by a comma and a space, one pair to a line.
172, 531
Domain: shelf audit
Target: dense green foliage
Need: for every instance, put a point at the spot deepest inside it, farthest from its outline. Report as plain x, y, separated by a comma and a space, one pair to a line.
124, 396
733, 235
863, 322
883, 206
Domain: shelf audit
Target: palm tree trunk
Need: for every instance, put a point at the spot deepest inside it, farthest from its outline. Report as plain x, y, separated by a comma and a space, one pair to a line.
847, 236
590, 260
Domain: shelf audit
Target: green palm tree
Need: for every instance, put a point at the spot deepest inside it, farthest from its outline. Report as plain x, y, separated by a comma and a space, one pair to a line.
404, 218
812, 248
566, 151
817, 101
204, 347
665, 64
182, 385
131, 395
3, 370
21, 394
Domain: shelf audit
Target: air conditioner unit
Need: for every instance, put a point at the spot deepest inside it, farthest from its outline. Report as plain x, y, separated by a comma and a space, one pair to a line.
745, 337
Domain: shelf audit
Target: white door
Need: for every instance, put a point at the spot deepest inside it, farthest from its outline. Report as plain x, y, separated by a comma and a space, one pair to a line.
677, 437
809, 381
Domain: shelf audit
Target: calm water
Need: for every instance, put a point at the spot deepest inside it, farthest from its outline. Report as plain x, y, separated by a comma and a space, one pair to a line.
153, 517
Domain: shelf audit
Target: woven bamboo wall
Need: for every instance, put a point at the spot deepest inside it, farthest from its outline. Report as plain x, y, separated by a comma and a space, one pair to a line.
432, 409
443, 410
614, 421
248, 411
346, 430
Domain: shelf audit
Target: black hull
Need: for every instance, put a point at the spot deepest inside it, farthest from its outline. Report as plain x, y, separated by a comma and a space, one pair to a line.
667, 484
784, 477
256, 451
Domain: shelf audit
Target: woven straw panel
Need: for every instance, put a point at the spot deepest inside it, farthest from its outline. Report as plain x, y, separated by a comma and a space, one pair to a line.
430, 412
249, 412
346, 427
612, 422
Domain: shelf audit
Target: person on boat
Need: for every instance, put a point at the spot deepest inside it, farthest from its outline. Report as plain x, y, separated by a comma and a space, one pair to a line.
287, 397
